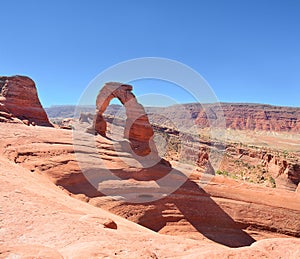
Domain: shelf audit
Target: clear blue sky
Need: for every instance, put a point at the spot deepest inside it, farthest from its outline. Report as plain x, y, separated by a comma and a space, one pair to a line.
248, 50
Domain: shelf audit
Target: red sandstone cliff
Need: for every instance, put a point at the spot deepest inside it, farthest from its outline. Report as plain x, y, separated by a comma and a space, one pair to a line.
251, 116
19, 102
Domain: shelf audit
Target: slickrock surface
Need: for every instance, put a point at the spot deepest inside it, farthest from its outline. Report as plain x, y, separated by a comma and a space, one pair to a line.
39, 219
19, 102
222, 213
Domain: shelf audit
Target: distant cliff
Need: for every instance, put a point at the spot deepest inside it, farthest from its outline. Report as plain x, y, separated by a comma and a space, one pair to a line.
258, 117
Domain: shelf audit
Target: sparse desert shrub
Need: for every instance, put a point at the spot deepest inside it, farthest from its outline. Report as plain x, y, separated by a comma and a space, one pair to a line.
272, 181
224, 173
234, 176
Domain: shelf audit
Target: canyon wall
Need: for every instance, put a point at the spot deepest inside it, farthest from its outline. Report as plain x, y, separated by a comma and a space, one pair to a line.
251, 117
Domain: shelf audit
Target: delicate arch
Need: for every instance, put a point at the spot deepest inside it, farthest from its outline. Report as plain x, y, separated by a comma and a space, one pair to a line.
138, 129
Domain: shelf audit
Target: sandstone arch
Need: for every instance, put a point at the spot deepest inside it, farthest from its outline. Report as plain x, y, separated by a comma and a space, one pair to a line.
138, 129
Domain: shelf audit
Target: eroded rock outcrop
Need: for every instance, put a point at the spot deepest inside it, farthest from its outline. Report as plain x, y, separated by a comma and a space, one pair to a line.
19, 102
138, 130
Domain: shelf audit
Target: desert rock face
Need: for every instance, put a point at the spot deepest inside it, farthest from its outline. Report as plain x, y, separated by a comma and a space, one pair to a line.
251, 117
137, 129
19, 102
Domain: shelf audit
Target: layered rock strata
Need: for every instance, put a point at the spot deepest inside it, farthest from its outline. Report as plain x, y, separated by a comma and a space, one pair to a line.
19, 102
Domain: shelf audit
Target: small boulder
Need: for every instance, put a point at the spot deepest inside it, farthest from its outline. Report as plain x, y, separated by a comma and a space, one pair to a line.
110, 224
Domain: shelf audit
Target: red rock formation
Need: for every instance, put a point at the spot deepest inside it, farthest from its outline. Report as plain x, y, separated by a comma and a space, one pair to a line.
19, 99
137, 129
250, 116
214, 211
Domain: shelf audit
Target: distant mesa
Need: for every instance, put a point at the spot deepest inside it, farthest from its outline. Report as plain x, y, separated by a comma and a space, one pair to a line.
19, 102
